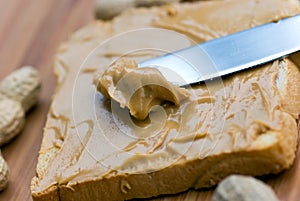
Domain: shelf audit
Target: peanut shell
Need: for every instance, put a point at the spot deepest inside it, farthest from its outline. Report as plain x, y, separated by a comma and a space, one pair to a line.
12, 119
23, 85
4, 173
107, 9
243, 188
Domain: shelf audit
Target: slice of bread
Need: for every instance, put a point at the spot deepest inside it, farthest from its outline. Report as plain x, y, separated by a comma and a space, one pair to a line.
245, 124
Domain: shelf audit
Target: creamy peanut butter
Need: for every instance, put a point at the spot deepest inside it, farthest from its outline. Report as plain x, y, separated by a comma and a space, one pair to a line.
138, 89
87, 137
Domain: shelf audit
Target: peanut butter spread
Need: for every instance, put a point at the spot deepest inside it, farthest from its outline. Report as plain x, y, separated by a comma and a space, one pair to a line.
138, 89
89, 137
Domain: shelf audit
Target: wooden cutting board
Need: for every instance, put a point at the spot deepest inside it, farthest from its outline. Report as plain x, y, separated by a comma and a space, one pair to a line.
30, 32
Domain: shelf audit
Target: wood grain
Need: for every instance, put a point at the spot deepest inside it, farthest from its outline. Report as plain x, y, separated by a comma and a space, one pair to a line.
30, 32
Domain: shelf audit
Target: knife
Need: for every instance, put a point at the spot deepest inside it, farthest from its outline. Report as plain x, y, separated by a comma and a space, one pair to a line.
229, 54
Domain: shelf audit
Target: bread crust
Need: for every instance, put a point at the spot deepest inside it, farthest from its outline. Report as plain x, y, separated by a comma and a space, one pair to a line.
199, 173
196, 173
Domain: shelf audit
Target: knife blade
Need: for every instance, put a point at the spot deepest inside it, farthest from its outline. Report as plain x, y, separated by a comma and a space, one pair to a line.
229, 54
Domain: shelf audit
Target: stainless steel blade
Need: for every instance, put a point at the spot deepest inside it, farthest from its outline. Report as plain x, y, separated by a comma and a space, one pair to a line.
231, 53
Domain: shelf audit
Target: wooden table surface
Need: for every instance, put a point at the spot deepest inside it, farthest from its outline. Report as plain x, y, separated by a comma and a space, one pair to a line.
30, 32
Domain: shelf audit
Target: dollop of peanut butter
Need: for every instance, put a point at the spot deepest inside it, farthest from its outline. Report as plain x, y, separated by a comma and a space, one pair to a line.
138, 89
